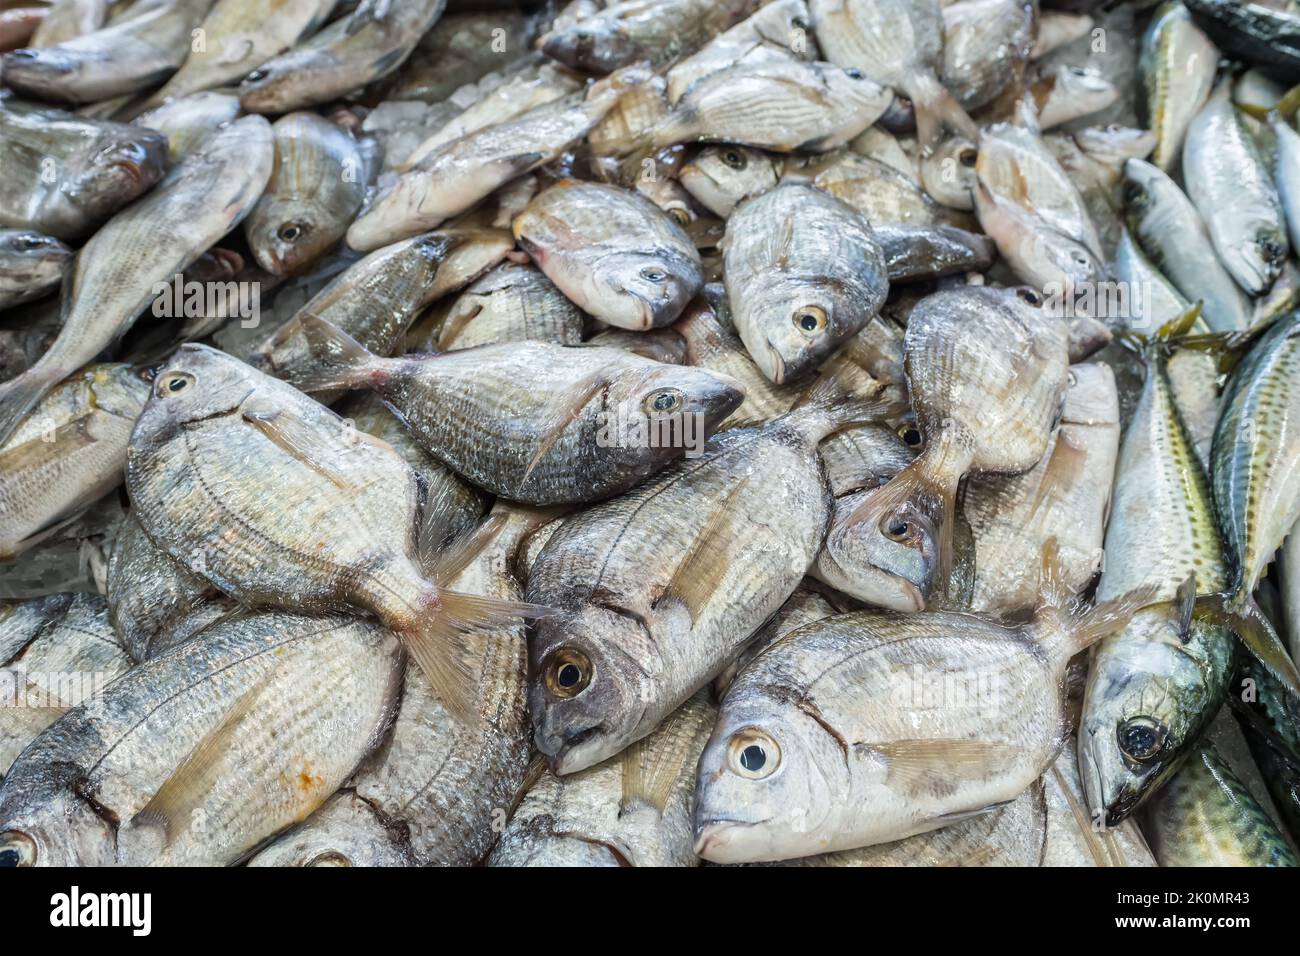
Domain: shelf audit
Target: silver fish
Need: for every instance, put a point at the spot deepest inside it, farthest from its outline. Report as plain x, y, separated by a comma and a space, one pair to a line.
31, 265
1178, 63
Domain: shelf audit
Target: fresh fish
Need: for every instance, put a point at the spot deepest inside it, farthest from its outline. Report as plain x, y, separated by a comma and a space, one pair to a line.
69, 662
633, 810
918, 253
614, 253
67, 452
1205, 816
1154, 687
657, 31
986, 369
512, 303
31, 265
136, 51
1228, 181
1066, 497
1171, 232
327, 515
438, 791
661, 345
277, 711
805, 605
1286, 164
1073, 837
1177, 64
877, 190
316, 189
187, 121
986, 48
116, 272
458, 175
830, 740
352, 51
805, 273
1265, 34
900, 43
1057, 29
65, 175
21, 621
239, 36
657, 590
536, 422
1270, 720
1067, 94
719, 177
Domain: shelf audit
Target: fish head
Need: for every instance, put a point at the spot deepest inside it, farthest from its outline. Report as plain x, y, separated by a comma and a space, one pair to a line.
596, 45
48, 822
271, 87
31, 255
769, 778
792, 323
856, 93
283, 237
948, 171
1114, 145
883, 552
1144, 704
1086, 91
588, 691
1143, 187
44, 70
1257, 264
719, 177
119, 166
120, 389
679, 401
197, 382
643, 289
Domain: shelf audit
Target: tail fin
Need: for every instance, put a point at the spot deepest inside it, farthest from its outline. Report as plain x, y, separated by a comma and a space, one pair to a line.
1070, 625
938, 114
1171, 334
340, 360
20, 395
843, 395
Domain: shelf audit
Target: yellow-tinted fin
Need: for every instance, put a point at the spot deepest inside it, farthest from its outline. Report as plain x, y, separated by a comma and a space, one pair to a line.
298, 440
1248, 622
921, 764
39, 452
566, 409
653, 765
702, 568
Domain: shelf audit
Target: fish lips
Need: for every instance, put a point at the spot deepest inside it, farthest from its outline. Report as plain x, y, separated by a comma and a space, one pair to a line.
724, 840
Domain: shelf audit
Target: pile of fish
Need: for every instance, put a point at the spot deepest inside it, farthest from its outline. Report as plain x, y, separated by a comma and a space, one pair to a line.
649, 432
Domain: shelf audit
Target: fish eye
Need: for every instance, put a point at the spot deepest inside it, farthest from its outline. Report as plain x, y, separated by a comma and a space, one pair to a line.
968, 156
753, 755
799, 23
1141, 738
652, 274
16, 849
257, 75
735, 159
895, 527
1078, 70
911, 435
853, 73
329, 858
1131, 192
662, 401
1029, 296
290, 232
28, 243
810, 319
680, 216
169, 383
567, 673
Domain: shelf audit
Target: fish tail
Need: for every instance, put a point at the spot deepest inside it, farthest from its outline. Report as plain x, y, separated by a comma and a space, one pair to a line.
1073, 626
1172, 334
340, 361
938, 114
20, 395
844, 394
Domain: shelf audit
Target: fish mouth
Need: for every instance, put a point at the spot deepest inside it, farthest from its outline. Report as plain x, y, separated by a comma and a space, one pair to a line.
562, 759
778, 364
712, 834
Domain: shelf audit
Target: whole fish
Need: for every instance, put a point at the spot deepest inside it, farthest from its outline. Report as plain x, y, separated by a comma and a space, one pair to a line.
1155, 686
116, 273
536, 422
137, 51
830, 739
986, 369
1073, 837
70, 661
651, 607
657, 31
805, 273
327, 514
187, 121
352, 51
1177, 64
511, 303
316, 189
442, 784
614, 253
31, 265
1065, 496
1205, 816
65, 175
277, 711
633, 810
67, 452
719, 177
1229, 182
241, 36
986, 48
1171, 232
900, 43
459, 174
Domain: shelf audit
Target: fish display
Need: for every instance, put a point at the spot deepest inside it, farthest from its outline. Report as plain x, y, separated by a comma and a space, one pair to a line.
649, 433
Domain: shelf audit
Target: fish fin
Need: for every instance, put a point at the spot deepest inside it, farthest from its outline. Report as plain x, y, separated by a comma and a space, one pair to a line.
20, 395
454, 559
1079, 625
1063, 466
1248, 622
703, 567
846, 394
62, 441
938, 114
1171, 334
1185, 607
340, 360
653, 765
296, 439
453, 324
1284, 109
366, 13
562, 413
172, 807
922, 764
437, 642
